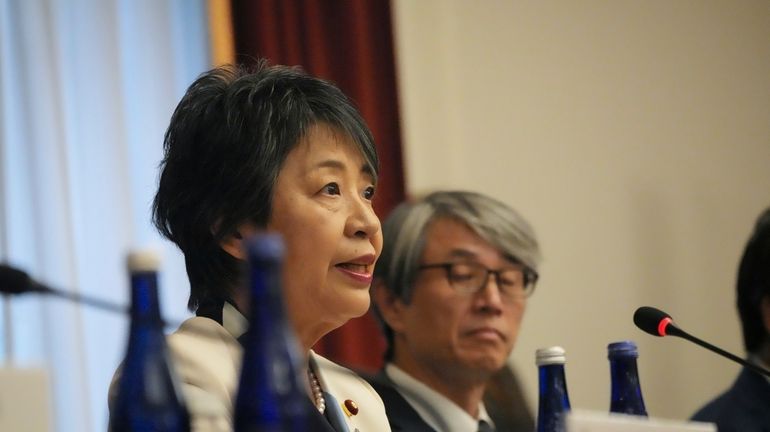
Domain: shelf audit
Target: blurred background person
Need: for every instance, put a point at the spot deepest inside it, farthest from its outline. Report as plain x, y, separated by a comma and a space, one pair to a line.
451, 288
270, 149
745, 406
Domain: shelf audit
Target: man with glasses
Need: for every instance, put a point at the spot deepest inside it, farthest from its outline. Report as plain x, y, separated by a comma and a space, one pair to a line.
450, 288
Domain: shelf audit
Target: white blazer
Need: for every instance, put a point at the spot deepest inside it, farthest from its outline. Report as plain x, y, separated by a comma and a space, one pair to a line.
207, 359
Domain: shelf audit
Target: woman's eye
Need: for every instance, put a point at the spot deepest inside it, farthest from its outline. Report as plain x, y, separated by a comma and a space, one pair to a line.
331, 189
369, 193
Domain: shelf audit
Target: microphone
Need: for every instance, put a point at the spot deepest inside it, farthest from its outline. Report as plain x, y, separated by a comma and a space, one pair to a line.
14, 281
658, 323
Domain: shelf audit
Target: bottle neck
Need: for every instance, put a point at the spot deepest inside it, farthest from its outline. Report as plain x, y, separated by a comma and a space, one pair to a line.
553, 384
553, 402
624, 363
266, 297
145, 308
626, 391
148, 397
271, 391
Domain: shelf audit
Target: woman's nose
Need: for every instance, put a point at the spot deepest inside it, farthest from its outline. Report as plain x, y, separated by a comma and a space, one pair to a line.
363, 222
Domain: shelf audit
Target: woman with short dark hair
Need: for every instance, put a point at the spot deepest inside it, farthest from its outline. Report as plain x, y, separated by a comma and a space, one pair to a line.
270, 148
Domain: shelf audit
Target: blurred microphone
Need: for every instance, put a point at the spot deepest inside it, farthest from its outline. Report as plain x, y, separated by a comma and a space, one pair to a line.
658, 323
14, 281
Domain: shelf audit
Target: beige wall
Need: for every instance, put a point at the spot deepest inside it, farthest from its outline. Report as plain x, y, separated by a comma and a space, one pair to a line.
635, 136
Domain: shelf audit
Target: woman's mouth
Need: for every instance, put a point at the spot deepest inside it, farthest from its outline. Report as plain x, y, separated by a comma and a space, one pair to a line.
360, 273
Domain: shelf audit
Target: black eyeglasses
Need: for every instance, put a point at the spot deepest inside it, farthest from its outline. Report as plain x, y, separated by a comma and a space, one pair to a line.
470, 277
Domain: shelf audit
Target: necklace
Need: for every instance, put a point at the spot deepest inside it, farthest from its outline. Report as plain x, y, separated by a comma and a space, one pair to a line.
318, 394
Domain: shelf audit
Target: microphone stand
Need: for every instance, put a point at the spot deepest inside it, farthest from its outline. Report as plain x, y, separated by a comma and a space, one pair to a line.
676, 331
75, 298
90, 301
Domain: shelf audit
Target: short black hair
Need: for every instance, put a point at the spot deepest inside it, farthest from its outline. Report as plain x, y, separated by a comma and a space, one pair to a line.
754, 284
225, 145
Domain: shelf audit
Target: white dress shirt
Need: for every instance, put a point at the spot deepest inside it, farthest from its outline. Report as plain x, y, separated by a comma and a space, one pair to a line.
435, 409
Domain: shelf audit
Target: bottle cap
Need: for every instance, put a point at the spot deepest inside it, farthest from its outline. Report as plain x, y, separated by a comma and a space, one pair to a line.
147, 260
622, 349
550, 356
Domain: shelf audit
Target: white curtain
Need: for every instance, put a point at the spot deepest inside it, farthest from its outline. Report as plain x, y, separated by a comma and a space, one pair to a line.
86, 91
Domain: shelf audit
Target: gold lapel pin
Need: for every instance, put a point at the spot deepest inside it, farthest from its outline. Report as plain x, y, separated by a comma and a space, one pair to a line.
350, 408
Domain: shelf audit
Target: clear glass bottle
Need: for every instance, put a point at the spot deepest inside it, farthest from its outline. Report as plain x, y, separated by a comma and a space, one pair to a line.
149, 398
271, 395
626, 393
553, 402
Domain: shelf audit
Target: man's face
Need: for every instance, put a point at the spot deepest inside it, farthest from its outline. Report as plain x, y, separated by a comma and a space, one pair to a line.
442, 331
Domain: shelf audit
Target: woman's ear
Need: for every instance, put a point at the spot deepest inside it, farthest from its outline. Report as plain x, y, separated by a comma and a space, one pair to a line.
233, 242
391, 307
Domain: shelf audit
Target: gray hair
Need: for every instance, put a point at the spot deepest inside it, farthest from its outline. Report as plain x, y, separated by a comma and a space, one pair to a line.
404, 238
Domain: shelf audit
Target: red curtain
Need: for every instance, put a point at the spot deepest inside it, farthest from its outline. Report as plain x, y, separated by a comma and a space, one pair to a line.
351, 44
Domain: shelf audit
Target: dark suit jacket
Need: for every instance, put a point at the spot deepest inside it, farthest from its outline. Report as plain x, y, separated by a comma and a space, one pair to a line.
745, 407
503, 399
401, 415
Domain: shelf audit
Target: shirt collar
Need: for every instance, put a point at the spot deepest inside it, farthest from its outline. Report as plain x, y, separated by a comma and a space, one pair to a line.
233, 321
435, 409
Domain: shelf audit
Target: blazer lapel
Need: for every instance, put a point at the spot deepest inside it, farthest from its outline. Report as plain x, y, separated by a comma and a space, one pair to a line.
318, 422
354, 406
334, 414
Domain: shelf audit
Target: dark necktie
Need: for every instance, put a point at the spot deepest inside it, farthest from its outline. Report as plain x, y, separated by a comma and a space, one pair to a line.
485, 427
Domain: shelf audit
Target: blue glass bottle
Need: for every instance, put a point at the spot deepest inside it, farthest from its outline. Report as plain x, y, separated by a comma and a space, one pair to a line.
626, 393
149, 398
271, 395
553, 403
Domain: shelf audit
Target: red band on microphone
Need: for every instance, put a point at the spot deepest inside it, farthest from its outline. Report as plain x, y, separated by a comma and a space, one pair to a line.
662, 325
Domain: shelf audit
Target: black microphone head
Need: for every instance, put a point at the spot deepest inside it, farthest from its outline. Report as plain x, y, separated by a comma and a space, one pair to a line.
651, 320
13, 281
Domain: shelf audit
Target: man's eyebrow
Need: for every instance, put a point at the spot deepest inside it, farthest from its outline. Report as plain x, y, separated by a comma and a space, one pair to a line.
466, 254
461, 253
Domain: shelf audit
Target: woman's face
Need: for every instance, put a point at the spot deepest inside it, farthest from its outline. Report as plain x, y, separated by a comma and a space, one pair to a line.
322, 206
